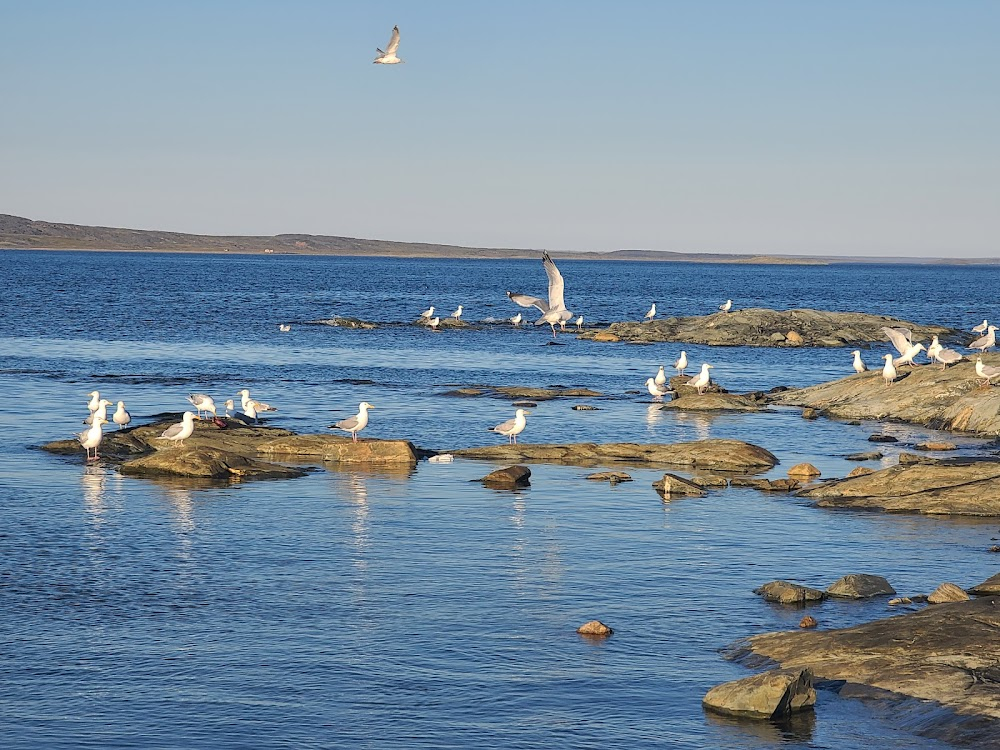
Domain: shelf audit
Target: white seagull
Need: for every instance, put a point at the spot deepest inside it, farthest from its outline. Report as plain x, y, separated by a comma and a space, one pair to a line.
181, 431
859, 365
934, 349
554, 311
434, 323
230, 406
202, 403
661, 376
579, 323
245, 401
121, 417
911, 352
389, 56
428, 313
656, 390
516, 320
981, 328
512, 427
888, 371
726, 306
901, 338
102, 410
702, 380
95, 399
985, 342
651, 314
357, 423
946, 357
681, 364
92, 437
458, 313
986, 372
284, 327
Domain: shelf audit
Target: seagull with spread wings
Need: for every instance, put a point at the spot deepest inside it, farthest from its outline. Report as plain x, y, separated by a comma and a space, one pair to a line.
389, 56
554, 311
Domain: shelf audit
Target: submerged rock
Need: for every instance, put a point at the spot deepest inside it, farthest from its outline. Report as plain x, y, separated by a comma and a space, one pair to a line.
340, 322
770, 695
860, 586
766, 485
808, 622
519, 392
866, 456
759, 326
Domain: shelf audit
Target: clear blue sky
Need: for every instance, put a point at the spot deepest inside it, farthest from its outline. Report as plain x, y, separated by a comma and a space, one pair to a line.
862, 127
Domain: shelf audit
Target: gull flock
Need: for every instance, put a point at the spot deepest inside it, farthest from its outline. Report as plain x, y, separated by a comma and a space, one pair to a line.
553, 312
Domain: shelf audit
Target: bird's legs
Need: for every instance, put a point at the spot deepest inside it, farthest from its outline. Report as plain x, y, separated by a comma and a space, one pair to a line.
354, 437
553, 326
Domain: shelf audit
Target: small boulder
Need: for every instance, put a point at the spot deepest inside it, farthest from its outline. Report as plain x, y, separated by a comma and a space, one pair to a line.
776, 337
880, 438
595, 628
525, 404
784, 592
907, 459
803, 470
947, 592
810, 413
808, 622
860, 472
709, 481
508, 478
770, 695
766, 485
936, 445
610, 476
988, 587
860, 586
794, 338
900, 600
674, 486
866, 456
585, 407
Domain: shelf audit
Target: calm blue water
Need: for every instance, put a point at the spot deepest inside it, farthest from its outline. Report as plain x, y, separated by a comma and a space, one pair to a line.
379, 609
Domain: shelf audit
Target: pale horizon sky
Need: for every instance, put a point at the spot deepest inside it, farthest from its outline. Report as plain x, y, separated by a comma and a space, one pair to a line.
863, 127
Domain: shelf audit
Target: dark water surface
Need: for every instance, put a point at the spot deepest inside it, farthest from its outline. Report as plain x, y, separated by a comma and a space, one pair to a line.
382, 609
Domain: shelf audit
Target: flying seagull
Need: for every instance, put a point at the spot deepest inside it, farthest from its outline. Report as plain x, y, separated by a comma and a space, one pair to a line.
554, 311
389, 56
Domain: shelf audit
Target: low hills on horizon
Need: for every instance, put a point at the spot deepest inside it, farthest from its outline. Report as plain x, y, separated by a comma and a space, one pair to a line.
19, 233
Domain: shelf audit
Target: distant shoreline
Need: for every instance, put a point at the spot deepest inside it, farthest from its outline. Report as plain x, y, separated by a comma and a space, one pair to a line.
18, 233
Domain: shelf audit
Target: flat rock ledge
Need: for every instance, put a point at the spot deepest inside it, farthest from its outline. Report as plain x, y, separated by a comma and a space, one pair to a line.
954, 486
946, 655
759, 326
716, 455
769, 695
948, 399
233, 452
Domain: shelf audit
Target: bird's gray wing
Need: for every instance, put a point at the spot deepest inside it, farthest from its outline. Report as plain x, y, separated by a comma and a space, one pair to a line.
556, 283
525, 301
979, 343
989, 371
393, 41
347, 424
173, 430
197, 398
900, 338
505, 426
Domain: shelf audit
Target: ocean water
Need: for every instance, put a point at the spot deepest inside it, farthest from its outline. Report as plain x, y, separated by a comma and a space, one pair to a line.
379, 609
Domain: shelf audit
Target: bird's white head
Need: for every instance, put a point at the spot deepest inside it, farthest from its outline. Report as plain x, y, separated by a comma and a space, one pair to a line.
707, 366
244, 392
365, 406
121, 404
887, 357
921, 347
992, 328
95, 394
190, 416
521, 413
856, 353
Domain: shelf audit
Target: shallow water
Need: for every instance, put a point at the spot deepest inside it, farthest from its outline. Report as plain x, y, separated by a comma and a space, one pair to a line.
373, 609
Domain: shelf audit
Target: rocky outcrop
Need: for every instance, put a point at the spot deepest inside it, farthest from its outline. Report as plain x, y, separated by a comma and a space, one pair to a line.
716, 455
339, 322
784, 592
860, 586
948, 399
769, 695
804, 471
595, 628
337, 449
766, 485
989, 587
956, 486
205, 463
509, 478
609, 476
763, 327
713, 402
946, 654
517, 392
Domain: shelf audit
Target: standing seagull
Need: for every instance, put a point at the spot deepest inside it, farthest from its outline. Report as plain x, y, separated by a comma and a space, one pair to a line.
656, 390
426, 314
434, 323
934, 349
554, 311
357, 423
121, 417
859, 365
981, 328
945, 357
661, 376
458, 313
901, 338
985, 342
389, 56
92, 438
651, 314
102, 410
516, 320
512, 427
726, 306
888, 371
579, 323
95, 399
682, 363
202, 403
702, 380
181, 431
986, 372
909, 354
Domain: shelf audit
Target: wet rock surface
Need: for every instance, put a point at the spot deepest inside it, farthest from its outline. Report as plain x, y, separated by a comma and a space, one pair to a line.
948, 399
785, 592
956, 486
946, 654
764, 327
508, 478
769, 695
720, 455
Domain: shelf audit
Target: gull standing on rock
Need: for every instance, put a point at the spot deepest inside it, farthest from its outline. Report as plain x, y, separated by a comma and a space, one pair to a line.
726, 306
907, 358
656, 390
681, 364
934, 349
888, 371
202, 403
579, 323
357, 423
702, 380
458, 313
245, 401
985, 342
651, 314
102, 410
516, 320
661, 376
859, 365
901, 338
389, 56
427, 314
434, 323
181, 431
95, 399
554, 310
986, 372
230, 406
946, 357
512, 427
981, 328
92, 438
121, 417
